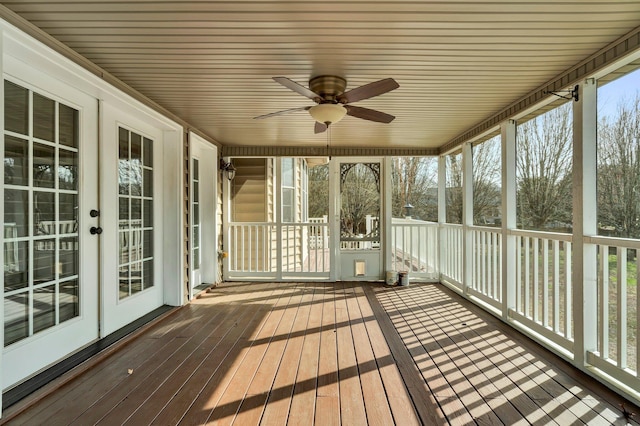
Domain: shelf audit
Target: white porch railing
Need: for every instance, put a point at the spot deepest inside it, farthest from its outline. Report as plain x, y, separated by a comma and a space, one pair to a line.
618, 351
451, 249
414, 248
543, 285
541, 292
269, 250
486, 261
251, 248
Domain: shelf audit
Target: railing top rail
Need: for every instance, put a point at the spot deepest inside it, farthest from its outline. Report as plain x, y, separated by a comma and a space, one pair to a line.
495, 229
542, 234
415, 225
403, 220
274, 224
451, 225
613, 241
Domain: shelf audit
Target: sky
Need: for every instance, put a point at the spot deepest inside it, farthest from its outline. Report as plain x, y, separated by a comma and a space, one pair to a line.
610, 94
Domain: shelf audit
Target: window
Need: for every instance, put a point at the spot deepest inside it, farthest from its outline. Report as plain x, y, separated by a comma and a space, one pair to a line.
41, 200
195, 214
288, 190
135, 222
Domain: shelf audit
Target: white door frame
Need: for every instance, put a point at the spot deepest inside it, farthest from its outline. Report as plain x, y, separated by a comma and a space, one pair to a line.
207, 154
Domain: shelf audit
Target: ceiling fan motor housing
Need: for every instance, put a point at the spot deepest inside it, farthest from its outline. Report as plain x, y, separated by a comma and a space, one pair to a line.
329, 87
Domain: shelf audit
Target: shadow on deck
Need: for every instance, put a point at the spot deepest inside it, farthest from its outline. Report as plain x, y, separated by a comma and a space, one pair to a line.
327, 353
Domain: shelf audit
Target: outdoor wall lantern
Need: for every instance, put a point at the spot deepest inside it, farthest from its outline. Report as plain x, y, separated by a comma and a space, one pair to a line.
228, 169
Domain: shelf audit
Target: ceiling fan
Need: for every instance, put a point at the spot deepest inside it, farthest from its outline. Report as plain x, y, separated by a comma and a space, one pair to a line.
333, 103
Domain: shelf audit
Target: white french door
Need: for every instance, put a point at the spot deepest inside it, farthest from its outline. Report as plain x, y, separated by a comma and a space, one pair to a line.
50, 190
131, 193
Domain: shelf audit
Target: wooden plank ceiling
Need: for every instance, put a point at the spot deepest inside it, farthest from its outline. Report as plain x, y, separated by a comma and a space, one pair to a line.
211, 62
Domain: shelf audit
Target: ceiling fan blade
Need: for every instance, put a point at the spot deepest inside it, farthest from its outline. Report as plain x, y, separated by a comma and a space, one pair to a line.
369, 114
298, 88
286, 111
320, 127
368, 91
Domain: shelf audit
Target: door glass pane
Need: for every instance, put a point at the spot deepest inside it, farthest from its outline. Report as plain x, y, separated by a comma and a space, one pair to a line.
16, 161
16, 264
68, 212
16, 318
68, 126
16, 213
38, 256
44, 259
135, 181
69, 300
44, 308
360, 206
43, 162
43, 118
69, 260
16, 108
44, 214
68, 169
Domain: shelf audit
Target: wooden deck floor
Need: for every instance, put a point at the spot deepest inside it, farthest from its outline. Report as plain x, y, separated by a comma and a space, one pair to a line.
327, 354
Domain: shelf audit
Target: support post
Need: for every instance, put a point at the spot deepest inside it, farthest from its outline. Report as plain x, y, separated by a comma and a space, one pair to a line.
509, 220
584, 276
442, 211
386, 220
467, 217
277, 172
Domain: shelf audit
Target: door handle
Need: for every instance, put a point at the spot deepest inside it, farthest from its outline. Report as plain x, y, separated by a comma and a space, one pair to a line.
95, 230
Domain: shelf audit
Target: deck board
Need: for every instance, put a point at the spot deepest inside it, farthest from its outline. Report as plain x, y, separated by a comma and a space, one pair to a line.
327, 354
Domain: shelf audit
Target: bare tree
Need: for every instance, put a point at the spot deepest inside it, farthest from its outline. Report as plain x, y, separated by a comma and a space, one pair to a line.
415, 182
453, 188
486, 181
318, 190
619, 171
543, 169
360, 197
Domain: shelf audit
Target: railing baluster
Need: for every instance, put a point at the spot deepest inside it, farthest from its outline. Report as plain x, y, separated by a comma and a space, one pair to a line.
621, 307
545, 282
556, 286
603, 318
637, 313
536, 276
527, 277
568, 318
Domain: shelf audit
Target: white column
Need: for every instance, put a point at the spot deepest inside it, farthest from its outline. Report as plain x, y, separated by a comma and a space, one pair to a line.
442, 210
277, 173
584, 276
226, 218
467, 216
508, 137
385, 220
334, 218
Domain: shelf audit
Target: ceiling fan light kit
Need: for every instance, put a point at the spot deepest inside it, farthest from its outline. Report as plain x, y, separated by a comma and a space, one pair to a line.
328, 113
333, 103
